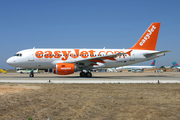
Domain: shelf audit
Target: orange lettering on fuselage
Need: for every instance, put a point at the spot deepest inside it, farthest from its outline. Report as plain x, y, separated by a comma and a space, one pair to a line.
66, 55
91, 53
76, 55
84, 54
109, 52
39, 54
101, 52
48, 54
57, 54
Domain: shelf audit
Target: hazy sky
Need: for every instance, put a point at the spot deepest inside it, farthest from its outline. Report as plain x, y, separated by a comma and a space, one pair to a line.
119, 24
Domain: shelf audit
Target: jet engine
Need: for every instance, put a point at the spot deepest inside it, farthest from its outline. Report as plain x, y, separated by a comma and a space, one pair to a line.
65, 68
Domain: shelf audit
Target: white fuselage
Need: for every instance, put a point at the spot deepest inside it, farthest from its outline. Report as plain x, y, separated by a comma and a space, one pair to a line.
48, 58
177, 67
134, 67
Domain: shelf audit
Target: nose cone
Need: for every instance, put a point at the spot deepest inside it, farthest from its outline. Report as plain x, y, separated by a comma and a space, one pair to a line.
10, 61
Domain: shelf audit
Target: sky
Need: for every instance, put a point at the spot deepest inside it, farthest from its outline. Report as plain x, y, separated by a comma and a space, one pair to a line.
113, 24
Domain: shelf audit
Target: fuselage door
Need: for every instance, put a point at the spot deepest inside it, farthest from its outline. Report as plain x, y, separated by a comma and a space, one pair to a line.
31, 55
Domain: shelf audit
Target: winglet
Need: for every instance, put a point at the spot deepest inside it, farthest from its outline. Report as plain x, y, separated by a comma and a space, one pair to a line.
149, 39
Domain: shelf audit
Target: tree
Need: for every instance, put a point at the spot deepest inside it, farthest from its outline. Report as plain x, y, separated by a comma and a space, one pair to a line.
162, 67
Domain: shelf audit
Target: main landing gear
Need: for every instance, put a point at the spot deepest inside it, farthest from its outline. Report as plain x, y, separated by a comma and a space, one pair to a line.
31, 74
87, 74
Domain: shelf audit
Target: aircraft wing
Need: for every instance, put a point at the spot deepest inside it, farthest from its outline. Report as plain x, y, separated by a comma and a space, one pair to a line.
156, 53
98, 58
93, 59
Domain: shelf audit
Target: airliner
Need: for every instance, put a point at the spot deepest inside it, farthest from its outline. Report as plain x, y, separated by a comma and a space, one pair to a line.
175, 65
137, 67
68, 61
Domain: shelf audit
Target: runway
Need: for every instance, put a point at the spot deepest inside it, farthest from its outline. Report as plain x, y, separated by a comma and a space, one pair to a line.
97, 78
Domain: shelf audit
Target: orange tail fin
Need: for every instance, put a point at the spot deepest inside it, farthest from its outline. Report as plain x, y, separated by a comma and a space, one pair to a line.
148, 39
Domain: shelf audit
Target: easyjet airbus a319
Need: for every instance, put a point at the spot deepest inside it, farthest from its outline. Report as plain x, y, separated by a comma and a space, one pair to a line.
68, 61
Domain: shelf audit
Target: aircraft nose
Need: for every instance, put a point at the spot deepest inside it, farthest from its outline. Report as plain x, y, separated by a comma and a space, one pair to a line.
10, 61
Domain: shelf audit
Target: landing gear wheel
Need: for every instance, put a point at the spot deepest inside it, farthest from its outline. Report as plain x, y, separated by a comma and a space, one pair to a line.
31, 75
82, 74
88, 74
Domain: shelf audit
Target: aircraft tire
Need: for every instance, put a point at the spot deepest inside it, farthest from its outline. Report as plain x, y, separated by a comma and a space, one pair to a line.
88, 74
82, 74
31, 75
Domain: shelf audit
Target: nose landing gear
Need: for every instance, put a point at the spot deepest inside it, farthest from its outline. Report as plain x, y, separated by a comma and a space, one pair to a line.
31, 74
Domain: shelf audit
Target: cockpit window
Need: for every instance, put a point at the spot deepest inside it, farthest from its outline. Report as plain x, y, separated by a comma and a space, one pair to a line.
18, 54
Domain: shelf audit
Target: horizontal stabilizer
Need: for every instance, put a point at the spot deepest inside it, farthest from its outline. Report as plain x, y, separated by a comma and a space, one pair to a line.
156, 53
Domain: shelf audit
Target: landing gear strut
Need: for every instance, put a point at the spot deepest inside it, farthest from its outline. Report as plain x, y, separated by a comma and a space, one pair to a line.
31, 74
83, 74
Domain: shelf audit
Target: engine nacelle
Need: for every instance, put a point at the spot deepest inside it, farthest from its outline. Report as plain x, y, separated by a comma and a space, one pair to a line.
65, 68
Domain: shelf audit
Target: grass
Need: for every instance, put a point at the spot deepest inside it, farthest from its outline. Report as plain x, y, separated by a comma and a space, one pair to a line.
30, 118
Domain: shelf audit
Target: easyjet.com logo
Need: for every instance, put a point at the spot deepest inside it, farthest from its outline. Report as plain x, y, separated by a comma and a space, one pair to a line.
147, 36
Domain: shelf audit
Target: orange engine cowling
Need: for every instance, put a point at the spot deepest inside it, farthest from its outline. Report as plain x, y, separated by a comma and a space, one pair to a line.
64, 68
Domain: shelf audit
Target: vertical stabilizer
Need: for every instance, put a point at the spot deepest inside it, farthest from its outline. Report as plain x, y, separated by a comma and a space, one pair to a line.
153, 63
149, 39
175, 64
